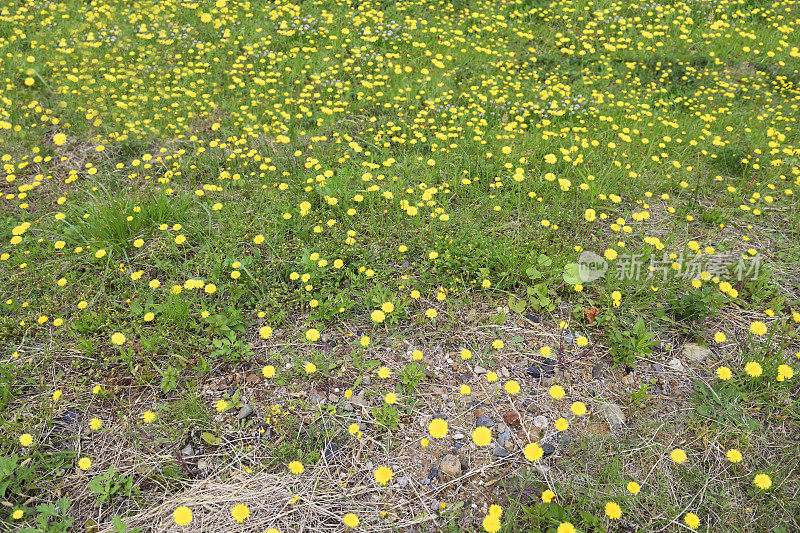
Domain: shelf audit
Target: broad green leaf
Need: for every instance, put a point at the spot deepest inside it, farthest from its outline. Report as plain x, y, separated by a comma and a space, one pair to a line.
210, 438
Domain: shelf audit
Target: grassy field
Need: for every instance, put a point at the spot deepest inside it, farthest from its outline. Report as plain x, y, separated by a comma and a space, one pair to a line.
399, 266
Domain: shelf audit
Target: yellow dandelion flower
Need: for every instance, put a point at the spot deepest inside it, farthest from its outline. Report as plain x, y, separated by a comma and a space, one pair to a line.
482, 436
578, 408
734, 455
566, 527
762, 481
753, 369
724, 373
785, 372
613, 511
491, 523
240, 513
182, 516
383, 475
350, 520
438, 428
758, 327
678, 455
533, 452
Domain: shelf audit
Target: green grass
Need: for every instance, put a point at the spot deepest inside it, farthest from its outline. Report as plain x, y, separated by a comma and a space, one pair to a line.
186, 182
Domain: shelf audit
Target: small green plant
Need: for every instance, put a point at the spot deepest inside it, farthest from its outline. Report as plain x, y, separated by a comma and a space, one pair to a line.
89, 322
233, 400
546, 517
695, 306
538, 291
7, 478
228, 325
628, 345
231, 349
202, 366
362, 364
639, 397
120, 526
386, 417
169, 378
723, 405
111, 484
22, 477
411, 376
52, 517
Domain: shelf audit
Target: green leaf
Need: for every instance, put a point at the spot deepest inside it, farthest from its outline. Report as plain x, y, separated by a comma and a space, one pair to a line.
571, 274
209, 438
533, 273
136, 308
516, 305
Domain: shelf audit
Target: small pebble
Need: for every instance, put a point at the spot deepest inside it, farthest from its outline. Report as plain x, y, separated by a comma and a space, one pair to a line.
484, 421
244, 412
499, 451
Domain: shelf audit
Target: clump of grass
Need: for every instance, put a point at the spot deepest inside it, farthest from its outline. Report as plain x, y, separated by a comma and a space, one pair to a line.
117, 220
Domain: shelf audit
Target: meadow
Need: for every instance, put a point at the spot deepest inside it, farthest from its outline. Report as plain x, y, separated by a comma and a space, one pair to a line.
376, 265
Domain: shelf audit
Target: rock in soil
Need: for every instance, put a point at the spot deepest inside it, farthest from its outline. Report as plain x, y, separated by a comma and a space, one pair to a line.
695, 352
244, 412
450, 466
484, 421
511, 418
499, 451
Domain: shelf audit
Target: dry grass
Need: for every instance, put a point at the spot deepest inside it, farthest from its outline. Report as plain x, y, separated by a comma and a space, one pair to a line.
313, 502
